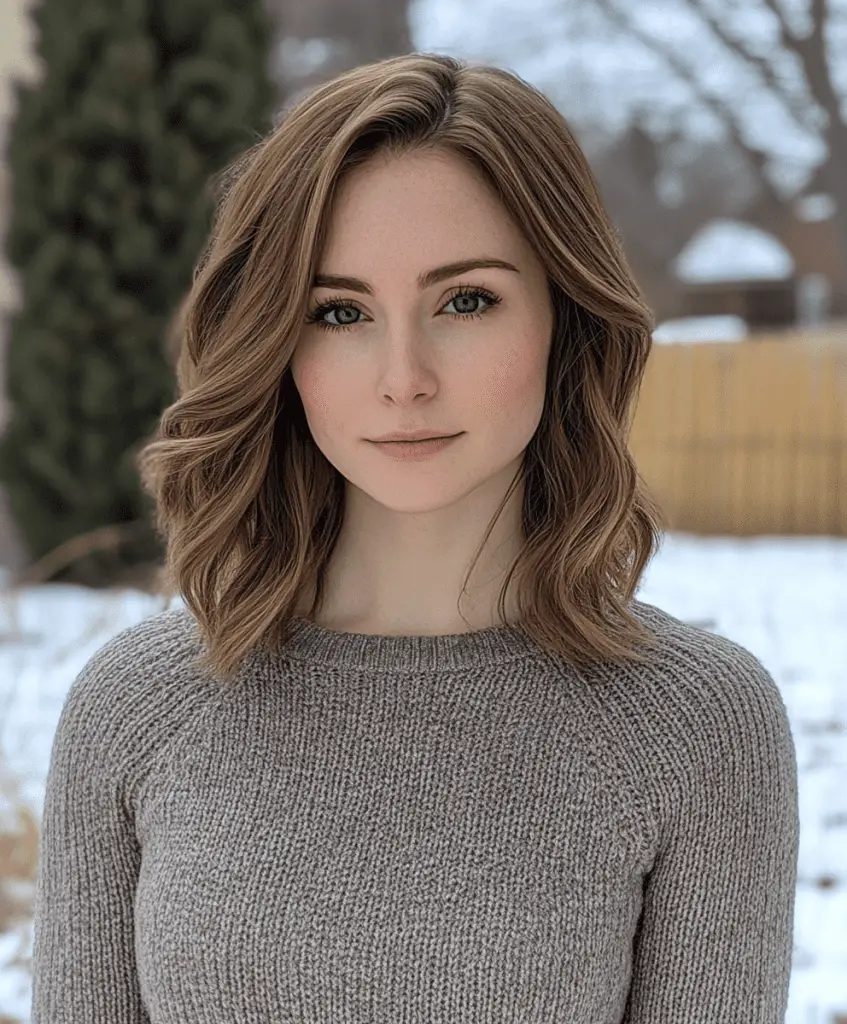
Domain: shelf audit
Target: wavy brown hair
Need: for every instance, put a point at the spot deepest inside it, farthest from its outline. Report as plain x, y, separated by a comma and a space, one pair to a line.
249, 507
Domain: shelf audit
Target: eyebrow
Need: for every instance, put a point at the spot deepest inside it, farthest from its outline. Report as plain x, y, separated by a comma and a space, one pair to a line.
425, 280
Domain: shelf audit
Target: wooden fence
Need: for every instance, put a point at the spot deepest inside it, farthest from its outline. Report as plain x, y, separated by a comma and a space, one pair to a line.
749, 437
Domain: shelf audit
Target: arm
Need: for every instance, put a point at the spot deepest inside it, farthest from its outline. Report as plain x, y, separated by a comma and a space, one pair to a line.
714, 942
83, 963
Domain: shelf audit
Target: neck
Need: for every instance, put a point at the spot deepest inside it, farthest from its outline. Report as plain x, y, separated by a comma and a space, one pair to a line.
403, 575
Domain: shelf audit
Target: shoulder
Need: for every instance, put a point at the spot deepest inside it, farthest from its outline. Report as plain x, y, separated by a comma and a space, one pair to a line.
692, 681
697, 670
704, 715
138, 663
138, 692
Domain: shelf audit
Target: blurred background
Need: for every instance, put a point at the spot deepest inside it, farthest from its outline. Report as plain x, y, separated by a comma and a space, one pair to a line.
717, 130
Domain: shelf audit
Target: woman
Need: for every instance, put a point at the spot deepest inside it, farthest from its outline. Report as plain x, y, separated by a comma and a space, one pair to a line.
413, 751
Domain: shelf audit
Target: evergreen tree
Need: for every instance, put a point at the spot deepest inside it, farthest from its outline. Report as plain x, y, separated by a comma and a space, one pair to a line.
111, 157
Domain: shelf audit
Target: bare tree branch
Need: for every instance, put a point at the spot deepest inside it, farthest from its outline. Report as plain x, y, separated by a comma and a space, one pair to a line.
787, 37
795, 106
757, 157
820, 16
811, 50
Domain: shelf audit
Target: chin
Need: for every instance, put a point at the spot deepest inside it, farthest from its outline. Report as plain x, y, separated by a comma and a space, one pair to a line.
411, 499
402, 491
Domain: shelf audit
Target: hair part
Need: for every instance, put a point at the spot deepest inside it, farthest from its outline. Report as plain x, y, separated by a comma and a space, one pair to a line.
249, 507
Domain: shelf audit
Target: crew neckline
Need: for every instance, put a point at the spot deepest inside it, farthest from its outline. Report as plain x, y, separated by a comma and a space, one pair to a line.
320, 645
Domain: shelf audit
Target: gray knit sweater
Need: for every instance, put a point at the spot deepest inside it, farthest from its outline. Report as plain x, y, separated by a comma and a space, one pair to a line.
417, 830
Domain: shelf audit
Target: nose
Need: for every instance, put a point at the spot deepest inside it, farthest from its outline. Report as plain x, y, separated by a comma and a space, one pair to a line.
408, 368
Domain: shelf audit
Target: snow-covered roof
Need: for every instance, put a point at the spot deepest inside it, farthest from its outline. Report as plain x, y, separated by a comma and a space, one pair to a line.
695, 329
730, 250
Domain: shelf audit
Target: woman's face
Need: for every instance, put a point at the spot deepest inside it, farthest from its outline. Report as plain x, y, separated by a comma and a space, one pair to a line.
406, 357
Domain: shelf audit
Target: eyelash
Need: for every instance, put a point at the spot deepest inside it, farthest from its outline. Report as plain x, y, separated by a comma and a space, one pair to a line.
316, 315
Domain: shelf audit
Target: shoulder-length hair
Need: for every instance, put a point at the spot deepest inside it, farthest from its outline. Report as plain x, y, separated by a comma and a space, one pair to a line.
250, 508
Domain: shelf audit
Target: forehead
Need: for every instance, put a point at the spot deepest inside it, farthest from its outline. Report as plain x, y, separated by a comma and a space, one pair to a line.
415, 211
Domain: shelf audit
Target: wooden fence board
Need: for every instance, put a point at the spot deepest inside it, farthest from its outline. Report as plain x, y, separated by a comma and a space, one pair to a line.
747, 438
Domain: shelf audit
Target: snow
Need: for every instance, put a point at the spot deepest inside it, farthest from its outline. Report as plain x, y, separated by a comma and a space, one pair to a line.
785, 599
729, 250
814, 207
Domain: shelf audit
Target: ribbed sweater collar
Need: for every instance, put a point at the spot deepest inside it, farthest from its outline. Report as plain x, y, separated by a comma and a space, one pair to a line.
320, 645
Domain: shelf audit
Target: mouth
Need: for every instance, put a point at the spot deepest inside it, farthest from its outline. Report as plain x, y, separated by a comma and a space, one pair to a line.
420, 440
416, 449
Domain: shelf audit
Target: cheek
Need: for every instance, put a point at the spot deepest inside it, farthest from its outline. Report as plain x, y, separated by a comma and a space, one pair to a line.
311, 387
513, 386
315, 387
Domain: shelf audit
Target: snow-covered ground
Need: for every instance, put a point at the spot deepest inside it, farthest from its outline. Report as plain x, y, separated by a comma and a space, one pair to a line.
785, 599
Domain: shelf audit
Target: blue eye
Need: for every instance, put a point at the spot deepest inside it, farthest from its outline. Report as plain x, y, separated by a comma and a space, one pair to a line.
316, 316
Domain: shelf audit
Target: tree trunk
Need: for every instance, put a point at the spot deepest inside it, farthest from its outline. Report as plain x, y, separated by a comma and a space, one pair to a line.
836, 176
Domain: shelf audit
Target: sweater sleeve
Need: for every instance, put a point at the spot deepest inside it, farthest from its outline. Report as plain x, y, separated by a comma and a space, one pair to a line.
84, 969
714, 942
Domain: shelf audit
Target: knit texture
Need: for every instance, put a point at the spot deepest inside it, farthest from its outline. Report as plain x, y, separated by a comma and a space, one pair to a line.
437, 829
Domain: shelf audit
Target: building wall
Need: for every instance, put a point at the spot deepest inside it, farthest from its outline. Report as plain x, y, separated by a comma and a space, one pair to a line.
816, 248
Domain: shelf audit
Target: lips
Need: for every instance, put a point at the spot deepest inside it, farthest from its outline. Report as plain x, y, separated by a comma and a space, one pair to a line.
416, 440
410, 440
